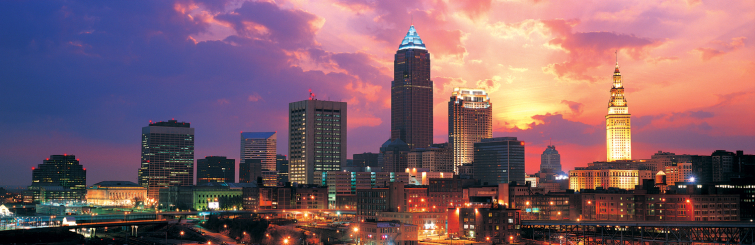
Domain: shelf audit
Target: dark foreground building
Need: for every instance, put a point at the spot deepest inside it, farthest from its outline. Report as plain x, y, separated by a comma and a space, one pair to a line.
216, 169
167, 156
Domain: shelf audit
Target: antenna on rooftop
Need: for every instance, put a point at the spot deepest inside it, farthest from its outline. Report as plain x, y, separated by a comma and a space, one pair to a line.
311, 95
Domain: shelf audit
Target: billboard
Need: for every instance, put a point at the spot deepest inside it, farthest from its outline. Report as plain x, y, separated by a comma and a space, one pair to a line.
213, 205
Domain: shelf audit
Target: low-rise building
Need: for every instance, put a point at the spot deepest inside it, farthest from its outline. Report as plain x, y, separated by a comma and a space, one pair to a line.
386, 233
117, 193
490, 225
586, 178
299, 197
208, 196
544, 207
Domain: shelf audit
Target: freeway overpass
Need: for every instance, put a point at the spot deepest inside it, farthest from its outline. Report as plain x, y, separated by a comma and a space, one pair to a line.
638, 232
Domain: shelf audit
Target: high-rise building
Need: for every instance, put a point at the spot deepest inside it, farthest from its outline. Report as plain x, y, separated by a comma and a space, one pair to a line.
317, 138
282, 166
618, 128
167, 156
260, 145
499, 160
470, 119
412, 93
250, 170
550, 159
216, 169
60, 170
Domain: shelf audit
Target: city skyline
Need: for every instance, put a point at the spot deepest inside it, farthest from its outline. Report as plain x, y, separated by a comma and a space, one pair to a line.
90, 97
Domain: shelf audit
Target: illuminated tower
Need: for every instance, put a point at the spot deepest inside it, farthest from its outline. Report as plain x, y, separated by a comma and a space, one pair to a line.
470, 119
618, 130
317, 139
412, 93
167, 156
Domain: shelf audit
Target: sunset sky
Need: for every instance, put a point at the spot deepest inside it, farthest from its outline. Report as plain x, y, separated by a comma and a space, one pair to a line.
83, 77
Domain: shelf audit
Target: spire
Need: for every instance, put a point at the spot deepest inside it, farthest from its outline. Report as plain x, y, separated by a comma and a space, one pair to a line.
412, 40
617, 62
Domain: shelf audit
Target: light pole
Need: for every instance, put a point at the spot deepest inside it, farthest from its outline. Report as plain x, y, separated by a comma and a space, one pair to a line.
182, 237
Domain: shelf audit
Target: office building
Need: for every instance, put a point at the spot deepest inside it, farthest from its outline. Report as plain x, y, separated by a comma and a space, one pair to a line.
436, 158
367, 159
260, 145
470, 119
394, 155
282, 166
167, 156
216, 169
412, 93
722, 163
60, 170
550, 160
618, 128
317, 138
207, 196
59, 178
499, 160
347, 183
250, 170
582, 178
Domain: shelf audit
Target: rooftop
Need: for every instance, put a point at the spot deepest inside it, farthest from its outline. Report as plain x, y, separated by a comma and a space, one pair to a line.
412, 40
257, 135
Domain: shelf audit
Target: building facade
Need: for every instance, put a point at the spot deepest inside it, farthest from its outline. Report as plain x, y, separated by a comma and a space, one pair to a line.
317, 138
436, 158
550, 160
618, 127
499, 160
386, 233
412, 93
216, 169
367, 159
60, 170
581, 179
116, 193
250, 170
282, 166
470, 119
394, 155
262, 146
167, 156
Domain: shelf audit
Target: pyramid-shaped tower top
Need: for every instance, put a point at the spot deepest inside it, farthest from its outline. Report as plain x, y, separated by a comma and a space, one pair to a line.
412, 40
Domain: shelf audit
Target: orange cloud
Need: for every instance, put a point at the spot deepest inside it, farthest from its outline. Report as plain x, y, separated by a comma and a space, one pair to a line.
588, 50
710, 53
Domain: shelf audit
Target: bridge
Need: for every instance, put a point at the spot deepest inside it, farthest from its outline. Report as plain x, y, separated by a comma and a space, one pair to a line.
638, 232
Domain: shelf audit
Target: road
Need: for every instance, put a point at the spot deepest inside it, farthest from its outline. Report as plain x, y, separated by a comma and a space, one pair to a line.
216, 238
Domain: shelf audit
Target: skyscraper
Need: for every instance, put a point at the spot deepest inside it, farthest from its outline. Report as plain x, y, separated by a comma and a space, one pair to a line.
550, 160
499, 160
250, 170
618, 130
63, 170
59, 178
167, 156
260, 145
216, 169
412, 93
317, 138
470, 119
282, 163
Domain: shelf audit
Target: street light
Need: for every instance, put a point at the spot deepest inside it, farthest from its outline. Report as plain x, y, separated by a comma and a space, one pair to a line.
182, 237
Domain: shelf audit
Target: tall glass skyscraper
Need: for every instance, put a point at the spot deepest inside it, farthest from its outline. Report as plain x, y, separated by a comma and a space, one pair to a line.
167, 156
470, 119
317, 139
412, 93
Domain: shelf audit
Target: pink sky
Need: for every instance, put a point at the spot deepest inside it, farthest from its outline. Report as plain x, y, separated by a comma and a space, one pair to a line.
85, 77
